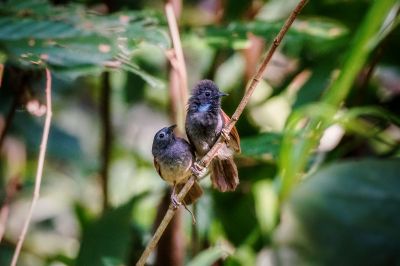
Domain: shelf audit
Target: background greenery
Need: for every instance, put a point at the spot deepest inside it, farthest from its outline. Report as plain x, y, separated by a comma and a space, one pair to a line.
319, 169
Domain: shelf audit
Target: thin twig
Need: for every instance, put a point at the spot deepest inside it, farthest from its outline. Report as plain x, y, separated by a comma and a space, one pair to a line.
208, 157
256, 79
177, 61
39, 172
107, 136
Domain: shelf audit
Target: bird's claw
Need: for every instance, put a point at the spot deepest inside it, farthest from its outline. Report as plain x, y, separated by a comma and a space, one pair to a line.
198, 170
175, 202
225, 134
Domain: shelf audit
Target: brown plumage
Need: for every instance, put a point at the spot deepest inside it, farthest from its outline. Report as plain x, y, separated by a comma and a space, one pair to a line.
173, 159
204, 122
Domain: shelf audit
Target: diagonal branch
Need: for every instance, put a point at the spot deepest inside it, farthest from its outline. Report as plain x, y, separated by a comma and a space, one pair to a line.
205, 161
39, 172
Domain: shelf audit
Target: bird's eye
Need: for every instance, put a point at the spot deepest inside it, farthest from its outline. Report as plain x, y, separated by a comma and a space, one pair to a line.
207, 93
161, 136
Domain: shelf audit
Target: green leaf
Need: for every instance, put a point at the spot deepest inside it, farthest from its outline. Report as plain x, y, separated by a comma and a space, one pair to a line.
108, 236
296, 154
25, 7
262, 144
12, 28
70, 52
242, 213
266, 203
343, 212
111, 262
315, 86
72, 37
211, 255
61, 145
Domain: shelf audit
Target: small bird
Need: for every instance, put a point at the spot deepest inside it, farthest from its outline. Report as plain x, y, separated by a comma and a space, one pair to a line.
205, 121
173, 160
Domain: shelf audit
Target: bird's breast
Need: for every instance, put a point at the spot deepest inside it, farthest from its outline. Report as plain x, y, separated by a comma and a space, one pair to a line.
175, 166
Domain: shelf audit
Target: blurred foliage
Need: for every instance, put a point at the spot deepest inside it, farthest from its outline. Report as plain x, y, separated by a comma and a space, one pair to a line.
320, 141
354, 200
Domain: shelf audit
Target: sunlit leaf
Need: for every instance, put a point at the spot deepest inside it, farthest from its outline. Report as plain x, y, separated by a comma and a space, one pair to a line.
266, 205
106, 237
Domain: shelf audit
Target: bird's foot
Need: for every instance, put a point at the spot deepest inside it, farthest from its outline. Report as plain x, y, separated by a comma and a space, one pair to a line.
174, 200
198, 169
225, 134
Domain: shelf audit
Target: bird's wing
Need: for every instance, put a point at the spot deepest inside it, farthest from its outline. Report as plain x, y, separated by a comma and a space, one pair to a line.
157, 166
234, 141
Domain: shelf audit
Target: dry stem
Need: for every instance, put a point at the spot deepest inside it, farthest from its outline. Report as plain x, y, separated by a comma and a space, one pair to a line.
205, 161
177, 61
39, 172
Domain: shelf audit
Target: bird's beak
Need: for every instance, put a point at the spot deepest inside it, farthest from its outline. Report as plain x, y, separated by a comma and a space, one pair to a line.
220, 94
171, 128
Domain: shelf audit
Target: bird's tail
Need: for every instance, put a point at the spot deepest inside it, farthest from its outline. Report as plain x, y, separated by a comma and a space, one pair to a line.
224, 174
194, 193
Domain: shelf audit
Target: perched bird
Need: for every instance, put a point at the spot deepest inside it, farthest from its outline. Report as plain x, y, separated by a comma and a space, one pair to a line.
173, 159
204, 123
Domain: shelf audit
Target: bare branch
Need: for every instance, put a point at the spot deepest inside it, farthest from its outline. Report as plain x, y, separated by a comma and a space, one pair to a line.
177, 61
39, 172
205, 161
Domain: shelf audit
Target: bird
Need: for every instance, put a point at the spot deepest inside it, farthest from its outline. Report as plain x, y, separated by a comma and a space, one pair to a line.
173, 160
204, 124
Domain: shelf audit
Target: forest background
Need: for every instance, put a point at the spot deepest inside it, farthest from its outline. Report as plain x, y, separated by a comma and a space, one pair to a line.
319, 169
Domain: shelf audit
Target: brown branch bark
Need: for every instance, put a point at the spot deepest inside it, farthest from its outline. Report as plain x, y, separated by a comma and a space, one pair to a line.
39, 172
205, 161
170, 249
178, 70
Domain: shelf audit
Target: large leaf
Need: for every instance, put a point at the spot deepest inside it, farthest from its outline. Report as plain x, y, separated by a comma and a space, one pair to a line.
314, 88
241, 215
107, 237
72, 37
262, 144
345, 214
61, 145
